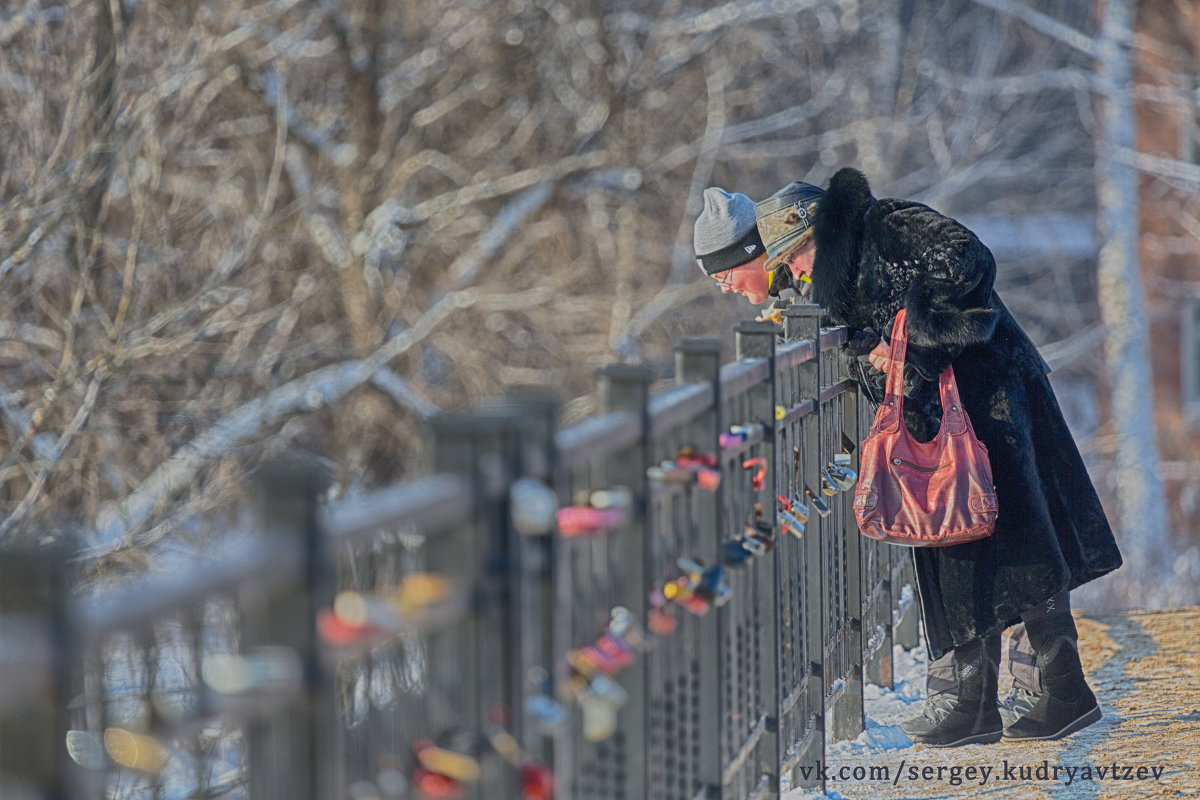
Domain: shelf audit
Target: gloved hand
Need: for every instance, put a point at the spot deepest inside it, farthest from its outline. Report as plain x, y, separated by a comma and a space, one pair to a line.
862, 342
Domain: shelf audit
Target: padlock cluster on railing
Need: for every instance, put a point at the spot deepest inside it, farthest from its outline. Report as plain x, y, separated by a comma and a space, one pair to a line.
689, 467
421, 602
447, 768
443, 768
588, 674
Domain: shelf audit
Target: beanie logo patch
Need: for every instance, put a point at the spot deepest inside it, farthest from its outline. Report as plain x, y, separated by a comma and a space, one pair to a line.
750, 248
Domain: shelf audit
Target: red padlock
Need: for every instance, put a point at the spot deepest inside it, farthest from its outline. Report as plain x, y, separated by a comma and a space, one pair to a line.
432, 786
659, 618
758, 480
661, 621
689, 456
338, 632
537, 782
615, 650
598, 659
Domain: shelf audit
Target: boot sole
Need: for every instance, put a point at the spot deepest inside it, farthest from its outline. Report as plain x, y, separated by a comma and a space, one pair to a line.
1089, 718
987, 737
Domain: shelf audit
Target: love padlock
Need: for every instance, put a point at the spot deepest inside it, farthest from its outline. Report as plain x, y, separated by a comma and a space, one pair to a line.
817, 503
792, 525
599, 702
798, 508
843, 477
576, 521
671, 472
713, 587
704, 466
595, 660
260, 671
688, 455
659, 618
828, 486
753, 543
740, 434
459, 767
431, 785
758, 479
680, 591
547, 713
537, 782
734, 554
623, 625
532, 505
616, 497
616, 650
762, 533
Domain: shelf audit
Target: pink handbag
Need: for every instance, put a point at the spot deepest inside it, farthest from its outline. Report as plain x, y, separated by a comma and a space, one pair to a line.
929, 494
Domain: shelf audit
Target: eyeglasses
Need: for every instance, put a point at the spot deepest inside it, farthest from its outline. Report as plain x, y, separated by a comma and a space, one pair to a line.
724, 279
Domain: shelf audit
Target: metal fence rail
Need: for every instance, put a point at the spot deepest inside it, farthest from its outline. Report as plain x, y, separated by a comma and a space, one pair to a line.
449, 637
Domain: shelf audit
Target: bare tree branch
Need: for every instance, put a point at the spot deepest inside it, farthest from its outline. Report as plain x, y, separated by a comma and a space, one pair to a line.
313, 391
395, 387
68, 434
466, 267
1044, 24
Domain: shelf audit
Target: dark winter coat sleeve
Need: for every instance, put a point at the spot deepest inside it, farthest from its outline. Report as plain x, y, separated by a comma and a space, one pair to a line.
949, 299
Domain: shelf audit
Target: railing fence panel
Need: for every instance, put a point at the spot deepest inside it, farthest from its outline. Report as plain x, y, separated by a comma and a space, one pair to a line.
442, 636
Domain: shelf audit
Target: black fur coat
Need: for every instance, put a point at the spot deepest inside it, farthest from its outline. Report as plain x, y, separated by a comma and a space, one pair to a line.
877, 256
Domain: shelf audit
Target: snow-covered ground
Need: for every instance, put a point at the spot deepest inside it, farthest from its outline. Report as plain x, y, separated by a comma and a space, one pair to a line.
885, 709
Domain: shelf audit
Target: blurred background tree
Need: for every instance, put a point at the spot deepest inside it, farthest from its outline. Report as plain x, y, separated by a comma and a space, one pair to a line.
234, 230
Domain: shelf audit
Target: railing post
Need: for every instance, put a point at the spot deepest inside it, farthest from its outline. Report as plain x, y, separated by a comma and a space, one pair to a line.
289, 754
907, 614
698, 360
626, 387
471, 664
879, 624
757, 340
848, 716
803, 323
531, 572
34, 640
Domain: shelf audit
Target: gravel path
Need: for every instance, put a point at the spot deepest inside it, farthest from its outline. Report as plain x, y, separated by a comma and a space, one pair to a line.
1145, 669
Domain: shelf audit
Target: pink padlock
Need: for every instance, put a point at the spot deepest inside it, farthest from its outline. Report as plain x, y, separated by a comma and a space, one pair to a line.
585, 520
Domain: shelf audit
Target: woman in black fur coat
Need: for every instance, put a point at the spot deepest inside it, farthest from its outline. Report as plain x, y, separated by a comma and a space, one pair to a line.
877, 256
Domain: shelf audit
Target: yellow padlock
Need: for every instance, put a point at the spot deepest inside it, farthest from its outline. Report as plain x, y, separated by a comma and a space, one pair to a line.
446, 762
136, 751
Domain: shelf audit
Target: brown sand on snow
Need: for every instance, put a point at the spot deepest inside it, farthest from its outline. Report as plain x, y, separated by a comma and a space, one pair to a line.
1145, 669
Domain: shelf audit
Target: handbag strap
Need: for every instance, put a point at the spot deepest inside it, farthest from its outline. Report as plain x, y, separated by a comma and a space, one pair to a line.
891, 411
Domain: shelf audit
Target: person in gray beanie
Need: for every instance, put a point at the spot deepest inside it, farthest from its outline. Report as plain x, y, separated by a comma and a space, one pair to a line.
784, 252
728, 247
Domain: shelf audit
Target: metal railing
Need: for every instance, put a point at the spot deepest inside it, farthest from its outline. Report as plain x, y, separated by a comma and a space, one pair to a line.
444, 638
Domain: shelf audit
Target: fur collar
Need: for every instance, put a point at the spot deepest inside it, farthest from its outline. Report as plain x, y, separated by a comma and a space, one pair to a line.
839, 232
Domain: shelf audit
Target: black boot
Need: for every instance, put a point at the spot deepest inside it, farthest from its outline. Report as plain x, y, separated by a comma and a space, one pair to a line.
1027, 684
941, 691
1067, 703
973, 718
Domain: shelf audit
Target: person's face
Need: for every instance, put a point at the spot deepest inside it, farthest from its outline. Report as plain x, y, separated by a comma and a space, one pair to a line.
748, 280
801, 261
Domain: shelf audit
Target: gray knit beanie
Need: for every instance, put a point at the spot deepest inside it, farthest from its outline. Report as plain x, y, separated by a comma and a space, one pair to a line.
725, 235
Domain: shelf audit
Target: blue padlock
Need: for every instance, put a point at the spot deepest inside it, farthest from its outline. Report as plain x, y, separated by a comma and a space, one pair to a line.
733, 554
713, 586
